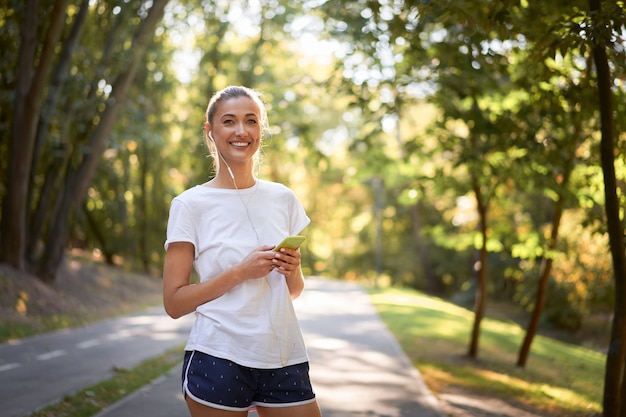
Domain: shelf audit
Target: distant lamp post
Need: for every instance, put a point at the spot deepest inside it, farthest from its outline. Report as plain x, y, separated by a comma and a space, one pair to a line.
378, 187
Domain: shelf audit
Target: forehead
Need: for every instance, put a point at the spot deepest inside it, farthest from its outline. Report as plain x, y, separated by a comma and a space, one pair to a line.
238, 106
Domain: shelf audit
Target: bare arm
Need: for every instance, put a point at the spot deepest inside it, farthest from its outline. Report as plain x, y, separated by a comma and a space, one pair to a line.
180, 297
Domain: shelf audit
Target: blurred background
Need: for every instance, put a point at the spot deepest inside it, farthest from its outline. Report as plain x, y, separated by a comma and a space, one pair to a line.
445, 146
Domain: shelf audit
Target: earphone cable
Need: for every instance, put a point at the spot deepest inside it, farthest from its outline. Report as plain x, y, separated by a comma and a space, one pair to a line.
284, 343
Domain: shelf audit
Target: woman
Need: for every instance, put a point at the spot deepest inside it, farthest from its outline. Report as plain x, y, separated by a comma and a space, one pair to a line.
245, 348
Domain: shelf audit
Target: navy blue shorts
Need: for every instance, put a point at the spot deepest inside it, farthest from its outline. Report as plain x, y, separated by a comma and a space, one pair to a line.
223, 384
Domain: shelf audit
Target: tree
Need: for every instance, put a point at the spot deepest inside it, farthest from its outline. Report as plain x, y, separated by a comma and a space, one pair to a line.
575, 33
561, 138
475, 128
27, 113
613, 19
553, 121
28, 100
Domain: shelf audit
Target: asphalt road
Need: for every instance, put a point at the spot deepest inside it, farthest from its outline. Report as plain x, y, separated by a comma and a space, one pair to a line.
40, 370
357, 366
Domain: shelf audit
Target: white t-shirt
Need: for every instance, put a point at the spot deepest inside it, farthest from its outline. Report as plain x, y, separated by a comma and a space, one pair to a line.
253, 324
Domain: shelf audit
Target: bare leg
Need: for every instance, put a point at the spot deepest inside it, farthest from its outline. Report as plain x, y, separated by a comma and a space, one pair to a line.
306, 410
200, 410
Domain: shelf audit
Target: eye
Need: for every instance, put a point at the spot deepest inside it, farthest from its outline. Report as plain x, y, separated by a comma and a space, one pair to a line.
251, 121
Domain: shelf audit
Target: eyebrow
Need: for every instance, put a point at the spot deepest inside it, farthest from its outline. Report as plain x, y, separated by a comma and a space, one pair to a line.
233, 115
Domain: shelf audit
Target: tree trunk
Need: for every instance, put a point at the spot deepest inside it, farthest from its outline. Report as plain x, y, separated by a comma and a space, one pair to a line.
542, 287
13, 235
481, 269
48, 200
28, 101
614, 401
78, 184
546, 264
481, 279
57, 80
60, 150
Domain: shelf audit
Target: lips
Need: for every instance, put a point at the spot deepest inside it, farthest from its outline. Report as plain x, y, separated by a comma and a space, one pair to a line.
239, 143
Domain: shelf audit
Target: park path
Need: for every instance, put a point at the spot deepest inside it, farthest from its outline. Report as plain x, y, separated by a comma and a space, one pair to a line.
357, 367
40, 370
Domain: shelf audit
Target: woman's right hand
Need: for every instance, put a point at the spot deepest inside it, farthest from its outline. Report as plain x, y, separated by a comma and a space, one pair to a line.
258, 263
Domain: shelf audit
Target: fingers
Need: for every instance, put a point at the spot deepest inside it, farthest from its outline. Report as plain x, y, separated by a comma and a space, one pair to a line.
263, 260
286, 261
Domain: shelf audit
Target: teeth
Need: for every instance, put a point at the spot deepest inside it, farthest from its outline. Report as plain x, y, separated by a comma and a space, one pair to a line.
240, 143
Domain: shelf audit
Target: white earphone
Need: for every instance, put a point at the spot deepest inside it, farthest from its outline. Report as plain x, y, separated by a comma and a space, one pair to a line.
230, 171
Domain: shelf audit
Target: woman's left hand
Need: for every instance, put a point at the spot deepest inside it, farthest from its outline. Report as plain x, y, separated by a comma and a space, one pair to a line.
287, 261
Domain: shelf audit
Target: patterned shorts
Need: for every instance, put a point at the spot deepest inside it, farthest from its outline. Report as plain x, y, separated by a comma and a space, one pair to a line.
223, 384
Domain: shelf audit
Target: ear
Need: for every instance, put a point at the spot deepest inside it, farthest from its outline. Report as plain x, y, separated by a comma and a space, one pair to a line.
207, 130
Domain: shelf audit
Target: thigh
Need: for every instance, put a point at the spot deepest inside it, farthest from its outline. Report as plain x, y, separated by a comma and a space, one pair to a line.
305, 410
199, 410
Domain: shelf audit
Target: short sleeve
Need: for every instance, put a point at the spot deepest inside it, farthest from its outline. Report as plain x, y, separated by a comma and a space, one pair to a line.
181, 226
299, 219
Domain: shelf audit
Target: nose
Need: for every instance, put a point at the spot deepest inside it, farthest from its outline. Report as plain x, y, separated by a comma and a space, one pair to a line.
240, 130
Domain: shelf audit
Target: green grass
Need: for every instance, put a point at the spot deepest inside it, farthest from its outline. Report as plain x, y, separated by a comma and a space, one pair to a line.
559, 378
18, 329
95, 398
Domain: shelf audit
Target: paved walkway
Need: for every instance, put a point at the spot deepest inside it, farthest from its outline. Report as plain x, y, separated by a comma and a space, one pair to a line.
40, 370
357, 366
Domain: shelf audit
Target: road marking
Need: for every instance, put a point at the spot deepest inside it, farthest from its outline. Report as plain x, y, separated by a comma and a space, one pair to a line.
9, 366
122, 334
88, 344
51, 355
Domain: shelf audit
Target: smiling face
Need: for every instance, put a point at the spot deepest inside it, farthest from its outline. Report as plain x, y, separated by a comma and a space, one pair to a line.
235, 129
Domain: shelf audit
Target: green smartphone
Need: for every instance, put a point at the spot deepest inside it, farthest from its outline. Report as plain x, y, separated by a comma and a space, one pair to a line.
290, 242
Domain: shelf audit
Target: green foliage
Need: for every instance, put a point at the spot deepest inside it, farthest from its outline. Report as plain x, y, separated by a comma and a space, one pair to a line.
428, 97
126, 199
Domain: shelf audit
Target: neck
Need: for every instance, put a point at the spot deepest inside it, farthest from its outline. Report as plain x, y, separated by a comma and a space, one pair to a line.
240, 181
